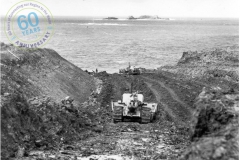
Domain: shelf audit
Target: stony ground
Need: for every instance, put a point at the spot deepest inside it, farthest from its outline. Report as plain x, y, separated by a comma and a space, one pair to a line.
35, 127
166, 138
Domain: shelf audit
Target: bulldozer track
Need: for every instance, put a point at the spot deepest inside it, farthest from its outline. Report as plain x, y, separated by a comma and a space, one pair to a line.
117, 115
146, 115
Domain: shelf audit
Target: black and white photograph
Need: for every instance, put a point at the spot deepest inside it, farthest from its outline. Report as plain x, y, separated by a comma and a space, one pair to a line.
119, 79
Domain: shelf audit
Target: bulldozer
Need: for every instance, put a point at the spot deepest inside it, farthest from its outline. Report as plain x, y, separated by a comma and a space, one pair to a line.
132, 107
130, 70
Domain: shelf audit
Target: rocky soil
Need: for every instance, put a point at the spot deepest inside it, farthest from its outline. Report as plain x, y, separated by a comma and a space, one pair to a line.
214, 126
197, 116
42, 72
33, 83
219, 63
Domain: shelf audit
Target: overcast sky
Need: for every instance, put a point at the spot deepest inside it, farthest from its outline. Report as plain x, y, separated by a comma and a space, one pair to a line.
124, 8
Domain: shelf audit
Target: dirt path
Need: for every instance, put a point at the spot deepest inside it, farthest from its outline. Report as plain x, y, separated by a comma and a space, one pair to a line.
172, 93
159, 100
176, 107
121, 141
129, 141
128, 84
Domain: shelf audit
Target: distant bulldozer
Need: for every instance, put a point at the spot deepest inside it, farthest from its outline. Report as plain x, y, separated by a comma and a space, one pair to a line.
130, 70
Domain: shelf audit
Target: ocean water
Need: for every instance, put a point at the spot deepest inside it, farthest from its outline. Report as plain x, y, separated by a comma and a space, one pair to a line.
111, 44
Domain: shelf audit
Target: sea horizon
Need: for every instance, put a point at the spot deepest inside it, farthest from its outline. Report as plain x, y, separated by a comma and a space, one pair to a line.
110, 45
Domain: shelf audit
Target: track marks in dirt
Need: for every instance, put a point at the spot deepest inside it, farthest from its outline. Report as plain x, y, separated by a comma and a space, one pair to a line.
176, 108
159, 100
128, 84
171, 92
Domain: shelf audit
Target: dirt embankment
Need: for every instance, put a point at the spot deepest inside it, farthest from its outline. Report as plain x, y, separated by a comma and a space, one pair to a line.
42, 72
214, 123
214, 126
33, 83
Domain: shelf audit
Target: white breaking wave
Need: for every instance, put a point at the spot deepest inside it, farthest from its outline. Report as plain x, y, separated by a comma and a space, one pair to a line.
115, 19
102, 24
122, 19
61, 33
120, 62
154, 19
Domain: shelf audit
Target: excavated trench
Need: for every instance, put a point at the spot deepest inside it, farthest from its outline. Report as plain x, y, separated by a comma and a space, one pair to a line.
165, 138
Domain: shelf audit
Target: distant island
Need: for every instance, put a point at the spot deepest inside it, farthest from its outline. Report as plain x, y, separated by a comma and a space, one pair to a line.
147, 17
141, 17
131, 17
111, 18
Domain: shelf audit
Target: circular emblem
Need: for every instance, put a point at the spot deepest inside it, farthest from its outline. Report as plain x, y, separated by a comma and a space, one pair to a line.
29, 24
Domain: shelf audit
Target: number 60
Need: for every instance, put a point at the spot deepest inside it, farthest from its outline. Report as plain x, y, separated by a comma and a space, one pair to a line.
20, 22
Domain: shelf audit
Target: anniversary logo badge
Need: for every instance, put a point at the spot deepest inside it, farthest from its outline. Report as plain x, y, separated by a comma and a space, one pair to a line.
29, 24
119, 79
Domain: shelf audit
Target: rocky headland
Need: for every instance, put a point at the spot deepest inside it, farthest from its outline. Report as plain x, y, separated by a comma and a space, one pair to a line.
219, 63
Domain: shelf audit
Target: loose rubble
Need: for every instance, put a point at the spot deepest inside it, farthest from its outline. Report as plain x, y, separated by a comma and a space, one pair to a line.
215, 126
41, 124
